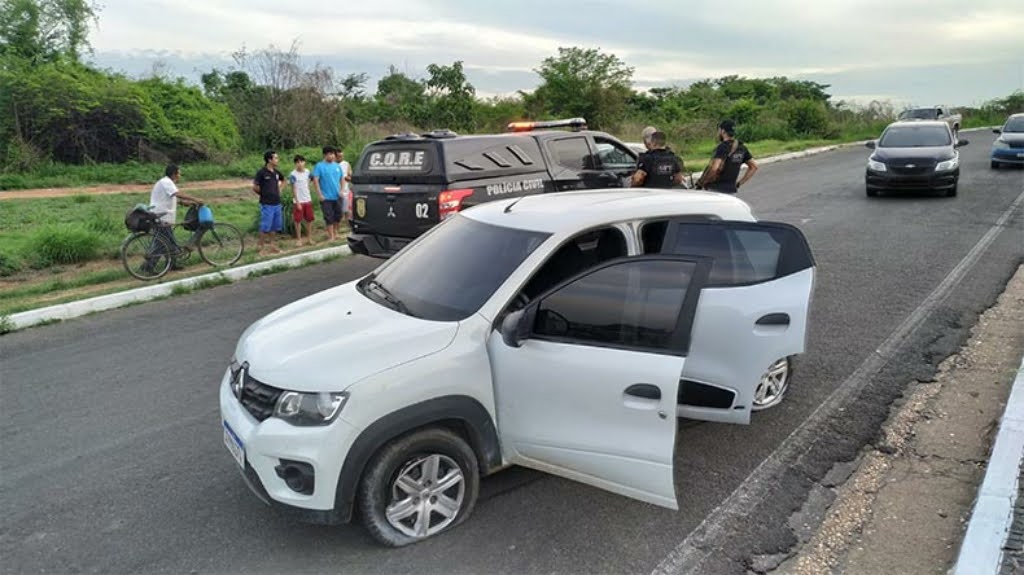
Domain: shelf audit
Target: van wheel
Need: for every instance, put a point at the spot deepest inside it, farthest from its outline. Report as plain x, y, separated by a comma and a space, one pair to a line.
419, 486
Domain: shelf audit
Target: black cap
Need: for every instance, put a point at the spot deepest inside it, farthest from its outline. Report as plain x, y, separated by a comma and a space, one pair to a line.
728, 126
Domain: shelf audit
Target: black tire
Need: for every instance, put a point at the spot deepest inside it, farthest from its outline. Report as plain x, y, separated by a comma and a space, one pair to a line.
995, 165
872, 193
951, 193
136, 256
221, 245
379, 485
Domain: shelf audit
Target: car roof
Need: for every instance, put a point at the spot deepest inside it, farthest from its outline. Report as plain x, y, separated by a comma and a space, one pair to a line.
568, 212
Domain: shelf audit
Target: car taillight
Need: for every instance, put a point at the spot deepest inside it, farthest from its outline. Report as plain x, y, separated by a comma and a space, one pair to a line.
450, 202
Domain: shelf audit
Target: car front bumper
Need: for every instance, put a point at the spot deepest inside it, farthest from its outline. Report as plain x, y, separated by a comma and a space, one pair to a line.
265, 444
1008, 155
912, 182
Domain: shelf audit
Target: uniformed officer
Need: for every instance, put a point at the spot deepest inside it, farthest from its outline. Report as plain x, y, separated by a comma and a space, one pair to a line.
730, 156
658, 167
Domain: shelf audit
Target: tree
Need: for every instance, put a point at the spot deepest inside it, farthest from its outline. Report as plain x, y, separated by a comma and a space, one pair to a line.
353, 87
451, 97
399, 97
584, 82
40, 31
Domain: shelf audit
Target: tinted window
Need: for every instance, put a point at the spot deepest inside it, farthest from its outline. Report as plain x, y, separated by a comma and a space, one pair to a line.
742, 254
453, 269
613, 155
634, 304
572, 153
915, 137
1014, 125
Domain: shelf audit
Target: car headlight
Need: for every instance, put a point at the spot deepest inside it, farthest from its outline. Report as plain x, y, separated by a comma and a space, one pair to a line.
309, 409
1000, 144
237, 379
950, 164
875, 165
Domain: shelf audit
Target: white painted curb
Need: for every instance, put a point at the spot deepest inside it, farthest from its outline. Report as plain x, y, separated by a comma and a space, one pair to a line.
106, 302
981, 552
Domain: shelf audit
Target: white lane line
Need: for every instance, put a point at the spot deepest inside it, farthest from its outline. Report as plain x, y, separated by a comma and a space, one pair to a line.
705, 541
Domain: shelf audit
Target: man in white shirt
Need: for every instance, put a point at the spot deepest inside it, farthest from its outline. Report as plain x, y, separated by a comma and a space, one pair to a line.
346, 185
164, 199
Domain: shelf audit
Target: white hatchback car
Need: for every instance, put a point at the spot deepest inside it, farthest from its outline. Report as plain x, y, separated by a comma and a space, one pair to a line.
563, 332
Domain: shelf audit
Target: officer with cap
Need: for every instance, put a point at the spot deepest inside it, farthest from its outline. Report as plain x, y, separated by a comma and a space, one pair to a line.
730, 156
658, 167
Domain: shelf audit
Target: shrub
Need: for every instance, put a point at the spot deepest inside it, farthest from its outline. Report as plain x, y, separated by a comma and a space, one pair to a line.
10, 264
63, 244
806, 118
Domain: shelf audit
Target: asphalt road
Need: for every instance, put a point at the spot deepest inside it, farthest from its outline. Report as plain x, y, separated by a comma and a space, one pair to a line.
111, 458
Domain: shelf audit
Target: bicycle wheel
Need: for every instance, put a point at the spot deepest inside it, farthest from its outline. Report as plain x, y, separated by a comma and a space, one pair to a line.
146, 256
222, 245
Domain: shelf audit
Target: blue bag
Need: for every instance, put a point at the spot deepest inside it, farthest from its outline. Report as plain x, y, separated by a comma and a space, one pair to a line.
205, 216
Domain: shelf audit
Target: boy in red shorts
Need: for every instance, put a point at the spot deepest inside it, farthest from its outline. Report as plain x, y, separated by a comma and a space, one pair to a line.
303, 209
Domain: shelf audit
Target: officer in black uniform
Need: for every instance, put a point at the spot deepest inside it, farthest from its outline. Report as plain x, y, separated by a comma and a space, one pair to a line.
658, 167
730, 156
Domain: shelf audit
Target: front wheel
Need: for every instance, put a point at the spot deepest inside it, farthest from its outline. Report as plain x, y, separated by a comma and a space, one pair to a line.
951, 193
419, 486
146, 256
872, 193
221, 245
995, 165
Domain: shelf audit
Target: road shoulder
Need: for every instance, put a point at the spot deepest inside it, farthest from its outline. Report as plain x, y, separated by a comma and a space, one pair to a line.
906, 506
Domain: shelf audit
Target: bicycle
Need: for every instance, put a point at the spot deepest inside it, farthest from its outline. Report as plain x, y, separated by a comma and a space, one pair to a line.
148, 255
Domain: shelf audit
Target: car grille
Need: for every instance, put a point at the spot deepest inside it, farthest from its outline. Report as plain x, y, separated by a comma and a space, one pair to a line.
1017, 145
258, 398
917, 170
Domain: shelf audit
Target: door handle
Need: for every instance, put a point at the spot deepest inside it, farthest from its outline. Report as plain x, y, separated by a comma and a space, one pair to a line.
774, 319
644, 390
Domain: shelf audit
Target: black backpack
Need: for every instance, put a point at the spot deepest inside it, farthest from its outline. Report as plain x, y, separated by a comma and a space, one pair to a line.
139, 219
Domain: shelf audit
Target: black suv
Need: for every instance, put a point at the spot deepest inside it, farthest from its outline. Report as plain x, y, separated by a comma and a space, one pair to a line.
405, 184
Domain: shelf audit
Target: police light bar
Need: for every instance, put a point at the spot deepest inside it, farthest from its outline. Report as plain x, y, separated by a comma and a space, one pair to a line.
574, 123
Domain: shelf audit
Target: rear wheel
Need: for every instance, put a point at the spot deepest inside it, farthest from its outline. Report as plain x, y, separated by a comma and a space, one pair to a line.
221, 245
419, 486
146, 256
773, 386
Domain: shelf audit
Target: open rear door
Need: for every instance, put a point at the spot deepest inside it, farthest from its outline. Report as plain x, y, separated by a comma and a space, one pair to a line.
751, 314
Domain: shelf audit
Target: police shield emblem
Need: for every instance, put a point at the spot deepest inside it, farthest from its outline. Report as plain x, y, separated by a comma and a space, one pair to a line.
361, 207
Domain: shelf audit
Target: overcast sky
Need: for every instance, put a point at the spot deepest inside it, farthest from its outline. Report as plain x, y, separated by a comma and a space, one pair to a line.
908, 51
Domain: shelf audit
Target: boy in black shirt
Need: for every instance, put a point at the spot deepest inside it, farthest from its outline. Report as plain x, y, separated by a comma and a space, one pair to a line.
267, 185
730, 156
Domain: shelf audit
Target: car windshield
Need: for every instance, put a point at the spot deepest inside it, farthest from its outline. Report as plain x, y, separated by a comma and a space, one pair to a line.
452, 270
1014, 125
915, 137
920, 114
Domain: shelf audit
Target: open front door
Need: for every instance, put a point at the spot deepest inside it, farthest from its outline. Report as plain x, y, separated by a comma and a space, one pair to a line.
586, 377
752, 312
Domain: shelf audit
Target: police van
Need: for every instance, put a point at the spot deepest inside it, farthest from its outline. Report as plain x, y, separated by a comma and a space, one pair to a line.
405, 184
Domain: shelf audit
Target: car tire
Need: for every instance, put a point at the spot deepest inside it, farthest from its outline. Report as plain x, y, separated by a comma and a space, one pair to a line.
951, 193
773, 386
401, 503
995, 165
872, 193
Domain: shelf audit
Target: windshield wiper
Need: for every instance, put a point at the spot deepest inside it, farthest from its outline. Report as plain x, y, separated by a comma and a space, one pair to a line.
389, 297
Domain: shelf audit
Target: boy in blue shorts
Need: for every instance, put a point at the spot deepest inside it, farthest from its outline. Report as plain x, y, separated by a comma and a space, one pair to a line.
267, 185
327, 181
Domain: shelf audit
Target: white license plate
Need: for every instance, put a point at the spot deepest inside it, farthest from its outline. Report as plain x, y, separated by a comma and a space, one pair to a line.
234, 445
1020, 155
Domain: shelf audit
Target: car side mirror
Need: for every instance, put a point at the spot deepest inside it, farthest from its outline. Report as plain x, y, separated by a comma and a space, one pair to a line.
997, 131
961, 143
870, 145
511, 329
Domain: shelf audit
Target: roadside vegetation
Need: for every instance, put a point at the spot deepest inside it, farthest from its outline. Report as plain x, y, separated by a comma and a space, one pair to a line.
64, 123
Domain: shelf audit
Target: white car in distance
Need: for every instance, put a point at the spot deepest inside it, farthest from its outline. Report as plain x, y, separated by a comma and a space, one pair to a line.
565, 332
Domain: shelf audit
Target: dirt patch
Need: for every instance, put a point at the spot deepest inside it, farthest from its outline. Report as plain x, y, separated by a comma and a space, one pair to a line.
118, 189
906, 507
